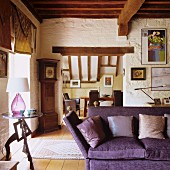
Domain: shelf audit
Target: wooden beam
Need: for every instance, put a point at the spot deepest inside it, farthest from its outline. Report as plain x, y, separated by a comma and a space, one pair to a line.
89, 67
70, 68
130, 9
32, 10
89, 51
108, 65
117, 65
80, 68
98, 67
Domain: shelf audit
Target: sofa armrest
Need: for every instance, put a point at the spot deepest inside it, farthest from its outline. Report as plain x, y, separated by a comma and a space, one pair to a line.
72, 120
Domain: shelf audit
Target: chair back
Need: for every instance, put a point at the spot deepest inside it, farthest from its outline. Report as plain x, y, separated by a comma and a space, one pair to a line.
66, 96
118, 98
93, 96
70, 104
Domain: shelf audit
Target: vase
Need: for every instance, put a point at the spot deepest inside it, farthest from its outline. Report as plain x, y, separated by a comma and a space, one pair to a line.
18, 105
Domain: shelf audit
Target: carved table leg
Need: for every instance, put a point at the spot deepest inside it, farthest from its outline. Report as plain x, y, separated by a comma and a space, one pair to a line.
7, 147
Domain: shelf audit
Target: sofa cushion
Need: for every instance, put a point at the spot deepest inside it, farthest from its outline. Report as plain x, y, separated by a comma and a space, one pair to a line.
92, 130
118, 148
157, 149
151, 126
121, 125
167, 116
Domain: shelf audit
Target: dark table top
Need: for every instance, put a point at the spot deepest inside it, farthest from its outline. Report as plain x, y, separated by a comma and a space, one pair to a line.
10, 115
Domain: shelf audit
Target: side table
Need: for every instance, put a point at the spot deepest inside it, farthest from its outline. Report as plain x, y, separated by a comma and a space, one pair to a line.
21, 123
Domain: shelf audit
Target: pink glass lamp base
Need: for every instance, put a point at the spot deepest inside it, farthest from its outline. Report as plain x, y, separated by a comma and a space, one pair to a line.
18, 105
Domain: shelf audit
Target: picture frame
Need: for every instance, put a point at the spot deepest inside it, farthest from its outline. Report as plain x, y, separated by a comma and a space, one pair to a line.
153, 44
138, 73
166, 101
108, 80
75, 83
3, 63
160, 76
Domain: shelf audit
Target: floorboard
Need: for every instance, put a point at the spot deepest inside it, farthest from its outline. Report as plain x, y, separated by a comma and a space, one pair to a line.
45, 164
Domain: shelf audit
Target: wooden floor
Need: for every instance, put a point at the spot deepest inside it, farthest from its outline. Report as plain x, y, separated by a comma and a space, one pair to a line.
46, 164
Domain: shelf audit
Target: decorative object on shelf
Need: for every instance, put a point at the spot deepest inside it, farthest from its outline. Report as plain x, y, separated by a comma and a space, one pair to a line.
108, 80
3, 63
75, 83
32, 111
159, 76
18, 85
166, 101
138, 73
153, 46
156, 101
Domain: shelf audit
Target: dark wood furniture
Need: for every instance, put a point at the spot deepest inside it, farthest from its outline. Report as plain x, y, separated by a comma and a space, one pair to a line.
48, 77
21, 123
86, 99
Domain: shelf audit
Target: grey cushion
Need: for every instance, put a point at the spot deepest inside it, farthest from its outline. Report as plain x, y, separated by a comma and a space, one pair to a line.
92, 130
157, 149
118, 148
121, 125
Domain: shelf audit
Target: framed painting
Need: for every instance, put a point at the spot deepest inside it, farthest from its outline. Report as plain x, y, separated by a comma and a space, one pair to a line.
3, 63
160, 78
108, 80
138, 73
75, 83
153, 45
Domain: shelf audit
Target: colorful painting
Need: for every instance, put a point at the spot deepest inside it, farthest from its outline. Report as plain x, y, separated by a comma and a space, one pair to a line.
153, 46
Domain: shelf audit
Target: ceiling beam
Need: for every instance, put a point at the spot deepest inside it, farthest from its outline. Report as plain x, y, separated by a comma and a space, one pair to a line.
32, 10
98, 67
130, 9
70, 67
79, 68
89, 51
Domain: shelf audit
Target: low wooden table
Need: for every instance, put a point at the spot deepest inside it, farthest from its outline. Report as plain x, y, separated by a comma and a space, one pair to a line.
86, 99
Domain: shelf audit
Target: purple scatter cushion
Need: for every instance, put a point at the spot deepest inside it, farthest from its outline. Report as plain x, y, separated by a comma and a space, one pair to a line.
157, 149
118, 148
92, 130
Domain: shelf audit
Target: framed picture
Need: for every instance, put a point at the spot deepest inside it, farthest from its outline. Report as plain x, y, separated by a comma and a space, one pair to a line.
153, 45
108, 80
160, 76
75, 83
166, 101
3, 63
138, 73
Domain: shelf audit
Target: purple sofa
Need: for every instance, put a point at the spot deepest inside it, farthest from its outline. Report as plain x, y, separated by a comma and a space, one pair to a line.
122, 153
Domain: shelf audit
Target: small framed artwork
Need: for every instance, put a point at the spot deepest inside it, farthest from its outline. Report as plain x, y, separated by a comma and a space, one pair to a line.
138, 73
3, 63
75, 83
160, 78
108, 80
153, 45
166, 101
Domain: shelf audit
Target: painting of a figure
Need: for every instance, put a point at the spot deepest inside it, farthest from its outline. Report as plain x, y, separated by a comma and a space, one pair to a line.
153, 46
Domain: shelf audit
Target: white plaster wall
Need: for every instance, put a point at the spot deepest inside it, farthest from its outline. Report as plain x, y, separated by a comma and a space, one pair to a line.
34, 86
138, 98
104, 33
77, 32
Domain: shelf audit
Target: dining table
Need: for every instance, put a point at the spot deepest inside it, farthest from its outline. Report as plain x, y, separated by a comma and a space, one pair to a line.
86, 99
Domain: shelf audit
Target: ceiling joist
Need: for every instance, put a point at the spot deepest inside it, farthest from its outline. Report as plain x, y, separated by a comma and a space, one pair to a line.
95, 51
130, 9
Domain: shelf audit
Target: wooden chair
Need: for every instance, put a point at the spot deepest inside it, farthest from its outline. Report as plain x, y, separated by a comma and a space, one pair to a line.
118, 98
94, 97
74, 103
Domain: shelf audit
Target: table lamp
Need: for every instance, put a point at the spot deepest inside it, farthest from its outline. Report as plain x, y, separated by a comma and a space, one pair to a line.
156, 100
17, 85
